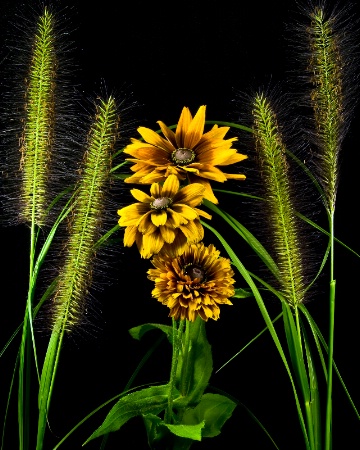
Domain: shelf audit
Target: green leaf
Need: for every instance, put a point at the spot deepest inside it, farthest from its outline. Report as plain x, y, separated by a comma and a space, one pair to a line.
155, 429
149, 400
242, 293
214, 410
139, 331
176, 437
187, 431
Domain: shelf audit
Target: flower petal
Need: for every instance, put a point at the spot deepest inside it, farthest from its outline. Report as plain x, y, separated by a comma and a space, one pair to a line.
159, 217
150, 154
208, 193
211, 172
192, 231
168, 234
186, 211
140, 196
175, 219
170, 186
192, 194
195, 129
152, 244
129, 215
129, 236
202, 213
154, 138
154, 176
182, 127
235, 176
177, 247
155, 190
168, 133
145, 225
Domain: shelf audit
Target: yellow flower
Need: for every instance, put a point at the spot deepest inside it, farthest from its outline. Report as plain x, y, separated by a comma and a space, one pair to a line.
166, 220
193, 284
187, 153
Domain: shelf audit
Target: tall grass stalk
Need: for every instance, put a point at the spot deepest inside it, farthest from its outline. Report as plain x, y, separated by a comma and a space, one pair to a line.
326, 66
74, 280
282, 220
36, 145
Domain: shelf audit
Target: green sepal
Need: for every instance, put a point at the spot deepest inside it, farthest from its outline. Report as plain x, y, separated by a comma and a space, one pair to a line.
214, 410
149, 400
139, 331
195, 366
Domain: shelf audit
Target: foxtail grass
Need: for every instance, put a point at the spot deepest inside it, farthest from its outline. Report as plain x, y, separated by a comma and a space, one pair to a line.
271, 153
36, 145
330, 68
38, 133
75, 276
284, 234
327, 98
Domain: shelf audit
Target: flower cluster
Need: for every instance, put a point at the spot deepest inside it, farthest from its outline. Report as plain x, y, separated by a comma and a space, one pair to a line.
191, 279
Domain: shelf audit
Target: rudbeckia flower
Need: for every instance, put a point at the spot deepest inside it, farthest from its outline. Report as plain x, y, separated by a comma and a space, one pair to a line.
188, 153
193, 284
165, 220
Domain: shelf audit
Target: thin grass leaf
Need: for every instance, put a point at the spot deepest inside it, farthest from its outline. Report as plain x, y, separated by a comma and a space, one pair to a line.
294, 337
247, 236
316, 331
314, 393
241, 194
8, 401
238, 264
318, 227
249, 343
228, 124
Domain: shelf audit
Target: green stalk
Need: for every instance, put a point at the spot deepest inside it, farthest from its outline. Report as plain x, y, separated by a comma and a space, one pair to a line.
75, 276
281, 217
328, 418
36, 145
327, 67
185, 375
176, 345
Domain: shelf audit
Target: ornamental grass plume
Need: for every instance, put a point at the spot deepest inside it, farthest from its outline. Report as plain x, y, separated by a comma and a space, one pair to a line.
75, 275
36, 116
166, 220
329, 63
271, 155
38, 122
189, 153
193, 284
38, 133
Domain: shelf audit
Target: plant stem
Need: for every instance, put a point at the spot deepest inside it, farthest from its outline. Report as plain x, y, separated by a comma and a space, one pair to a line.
328, 419
184, 384
176, 338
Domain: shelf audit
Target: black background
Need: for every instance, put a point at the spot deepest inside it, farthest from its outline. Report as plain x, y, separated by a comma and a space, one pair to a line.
164, 55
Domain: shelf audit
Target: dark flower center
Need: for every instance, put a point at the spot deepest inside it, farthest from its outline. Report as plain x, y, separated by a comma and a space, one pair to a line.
182, 156
161, 203
195, 272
